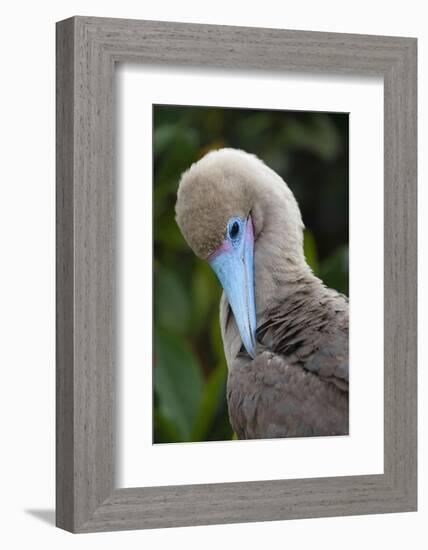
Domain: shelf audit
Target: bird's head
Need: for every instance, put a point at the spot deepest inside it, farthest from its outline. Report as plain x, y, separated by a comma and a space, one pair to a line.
224, 202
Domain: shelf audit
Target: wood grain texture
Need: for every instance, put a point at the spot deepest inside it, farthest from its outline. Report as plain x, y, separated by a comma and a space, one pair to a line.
64, 277
87, 49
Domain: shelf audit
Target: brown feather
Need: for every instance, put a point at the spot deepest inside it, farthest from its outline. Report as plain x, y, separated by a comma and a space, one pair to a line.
298, 383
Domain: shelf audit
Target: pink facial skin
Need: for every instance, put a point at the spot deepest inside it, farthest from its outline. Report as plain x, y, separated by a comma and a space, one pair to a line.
224, 247
249, 230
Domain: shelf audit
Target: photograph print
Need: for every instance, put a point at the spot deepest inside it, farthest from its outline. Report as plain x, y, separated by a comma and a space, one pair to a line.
251, 274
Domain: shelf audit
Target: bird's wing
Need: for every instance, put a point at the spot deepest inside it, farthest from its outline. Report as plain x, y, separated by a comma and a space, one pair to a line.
297, 385
331, 360
315, 335
270, 398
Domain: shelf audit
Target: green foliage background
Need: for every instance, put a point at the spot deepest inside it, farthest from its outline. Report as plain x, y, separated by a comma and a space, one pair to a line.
310, 151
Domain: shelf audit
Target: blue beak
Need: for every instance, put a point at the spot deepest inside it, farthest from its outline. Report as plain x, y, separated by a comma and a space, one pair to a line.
233, 264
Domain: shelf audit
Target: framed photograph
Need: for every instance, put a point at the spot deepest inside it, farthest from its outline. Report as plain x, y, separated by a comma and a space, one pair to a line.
236, 274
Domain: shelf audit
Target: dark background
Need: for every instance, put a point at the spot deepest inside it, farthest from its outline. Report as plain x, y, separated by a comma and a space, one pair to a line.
310, 151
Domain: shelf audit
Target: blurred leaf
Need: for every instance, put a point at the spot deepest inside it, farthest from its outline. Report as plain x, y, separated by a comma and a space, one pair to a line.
216, 339
252, 126
181, 153
167, 114
177, 381
206, 294
319, 137
172, 304
310, 250
213, 393
169, 234
165, 430
221, 429
334, 270
163, 137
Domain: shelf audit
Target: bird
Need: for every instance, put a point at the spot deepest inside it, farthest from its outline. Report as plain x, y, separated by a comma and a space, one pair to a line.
285, 333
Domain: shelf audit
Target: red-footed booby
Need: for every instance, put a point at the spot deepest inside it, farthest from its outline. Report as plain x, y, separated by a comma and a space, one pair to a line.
285, 334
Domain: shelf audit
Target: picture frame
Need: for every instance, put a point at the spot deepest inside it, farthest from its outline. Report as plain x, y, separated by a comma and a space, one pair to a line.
87, 50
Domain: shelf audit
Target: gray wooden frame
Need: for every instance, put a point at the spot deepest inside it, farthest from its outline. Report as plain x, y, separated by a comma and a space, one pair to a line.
87, 50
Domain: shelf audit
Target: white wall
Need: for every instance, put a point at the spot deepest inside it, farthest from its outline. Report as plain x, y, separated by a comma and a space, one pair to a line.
27, 271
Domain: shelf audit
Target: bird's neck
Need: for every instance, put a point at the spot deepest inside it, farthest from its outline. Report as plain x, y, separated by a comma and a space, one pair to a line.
279, 261
279, 272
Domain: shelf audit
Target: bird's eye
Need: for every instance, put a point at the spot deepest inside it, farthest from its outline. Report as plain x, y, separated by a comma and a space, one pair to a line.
234, 230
